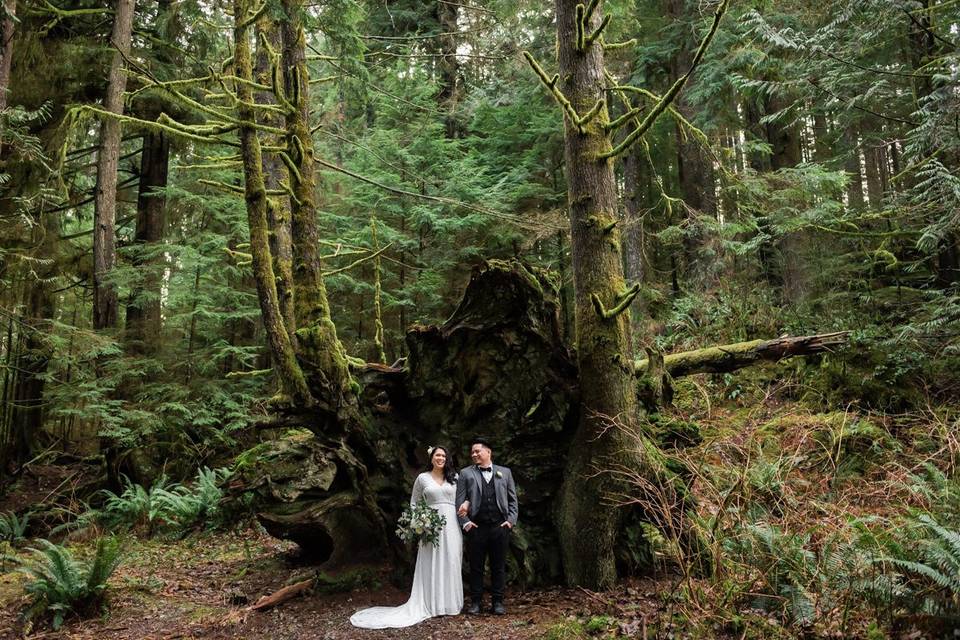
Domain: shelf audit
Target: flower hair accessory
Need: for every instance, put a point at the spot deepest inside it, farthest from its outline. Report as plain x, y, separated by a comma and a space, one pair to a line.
430, 450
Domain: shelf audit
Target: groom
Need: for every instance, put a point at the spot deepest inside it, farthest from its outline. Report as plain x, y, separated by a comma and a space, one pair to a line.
487, 500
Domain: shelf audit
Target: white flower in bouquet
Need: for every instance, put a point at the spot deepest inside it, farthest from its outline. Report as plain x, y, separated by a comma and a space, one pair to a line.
420, 523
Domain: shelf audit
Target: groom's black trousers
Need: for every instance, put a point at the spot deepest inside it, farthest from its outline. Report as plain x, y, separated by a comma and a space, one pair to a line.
482, 541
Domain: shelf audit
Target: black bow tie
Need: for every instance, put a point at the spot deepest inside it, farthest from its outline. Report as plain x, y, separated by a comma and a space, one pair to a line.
485, 468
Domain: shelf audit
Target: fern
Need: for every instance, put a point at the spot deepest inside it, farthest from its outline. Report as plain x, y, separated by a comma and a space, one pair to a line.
12, 528
59, 585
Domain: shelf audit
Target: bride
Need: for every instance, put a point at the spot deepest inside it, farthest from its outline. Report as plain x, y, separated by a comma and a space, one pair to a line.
437, 584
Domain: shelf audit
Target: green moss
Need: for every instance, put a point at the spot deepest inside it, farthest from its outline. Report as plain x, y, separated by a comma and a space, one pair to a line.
571, 630
674, 433
599, 624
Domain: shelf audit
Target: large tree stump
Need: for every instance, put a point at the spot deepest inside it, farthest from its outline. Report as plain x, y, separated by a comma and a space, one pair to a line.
497, 368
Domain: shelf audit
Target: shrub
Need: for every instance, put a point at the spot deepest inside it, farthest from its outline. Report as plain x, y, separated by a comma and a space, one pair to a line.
135, 506
176, 507
12, 528
60, 585
185, 507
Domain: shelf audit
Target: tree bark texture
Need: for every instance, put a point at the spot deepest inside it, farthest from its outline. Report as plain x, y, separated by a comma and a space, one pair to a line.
587, 522
852, 167
278, 209
317, 342
33, 357
143, 322
694, 166
450, 86
105, 301
255, 195
8, 27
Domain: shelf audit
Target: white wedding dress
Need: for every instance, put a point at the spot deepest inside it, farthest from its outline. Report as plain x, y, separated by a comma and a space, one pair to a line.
437, 584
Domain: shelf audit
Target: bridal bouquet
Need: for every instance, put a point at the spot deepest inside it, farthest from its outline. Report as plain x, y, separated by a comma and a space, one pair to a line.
420, 522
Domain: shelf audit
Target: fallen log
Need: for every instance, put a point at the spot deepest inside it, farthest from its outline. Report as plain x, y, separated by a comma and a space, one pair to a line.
730, 357
282, 595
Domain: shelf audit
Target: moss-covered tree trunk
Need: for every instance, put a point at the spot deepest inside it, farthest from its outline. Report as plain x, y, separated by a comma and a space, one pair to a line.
317, 341
105, 299
587, 521
278, 209
255, 195
8, 26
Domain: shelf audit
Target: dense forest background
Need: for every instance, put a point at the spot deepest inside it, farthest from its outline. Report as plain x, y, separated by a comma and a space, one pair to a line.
805, 181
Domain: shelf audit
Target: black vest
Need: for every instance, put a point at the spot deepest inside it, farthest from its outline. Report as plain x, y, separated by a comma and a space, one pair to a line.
489, 512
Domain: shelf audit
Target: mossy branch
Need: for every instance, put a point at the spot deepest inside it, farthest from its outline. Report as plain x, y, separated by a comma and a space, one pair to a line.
599, 30
551, 84
671, 94
291, 166
583, 15
232, 188
614, 46
255, 15
619, 122
357, 262
159, 84
581, 28
623, 303
650, 95
591, 7
208, 166
249, 374
68, 13
163, 124
241, 258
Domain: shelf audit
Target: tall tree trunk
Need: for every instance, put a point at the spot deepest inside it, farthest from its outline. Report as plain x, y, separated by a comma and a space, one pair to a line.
278, 210
588, 524
143, 319
923, 49
852, 167
873, 154
143, 313
255, 195
694, 166
34, 356
785, 141
7, 29
635, 178
105, 198
450, 87
317, 341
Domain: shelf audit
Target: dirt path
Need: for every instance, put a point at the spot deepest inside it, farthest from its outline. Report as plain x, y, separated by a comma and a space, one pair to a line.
201, 587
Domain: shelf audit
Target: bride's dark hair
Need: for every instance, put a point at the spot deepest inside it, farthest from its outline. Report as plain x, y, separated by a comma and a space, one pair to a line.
449, 468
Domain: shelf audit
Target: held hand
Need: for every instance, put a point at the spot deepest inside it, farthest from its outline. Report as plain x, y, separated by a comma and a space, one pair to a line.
464, 508
468, 527
507, 525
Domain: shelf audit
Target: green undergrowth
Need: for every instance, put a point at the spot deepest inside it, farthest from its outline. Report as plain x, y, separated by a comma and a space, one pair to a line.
172, 509
55, 584
841, 523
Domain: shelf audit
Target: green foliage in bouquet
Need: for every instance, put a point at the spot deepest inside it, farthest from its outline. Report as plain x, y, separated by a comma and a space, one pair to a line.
420, 523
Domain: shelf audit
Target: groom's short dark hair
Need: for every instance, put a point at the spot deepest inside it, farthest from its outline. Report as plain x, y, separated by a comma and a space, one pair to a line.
480, 441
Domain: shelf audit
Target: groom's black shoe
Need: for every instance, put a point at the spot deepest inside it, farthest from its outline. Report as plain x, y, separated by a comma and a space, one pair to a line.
497, 608
474, 608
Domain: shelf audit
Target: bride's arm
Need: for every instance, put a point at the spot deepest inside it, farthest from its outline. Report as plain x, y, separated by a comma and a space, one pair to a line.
417, 490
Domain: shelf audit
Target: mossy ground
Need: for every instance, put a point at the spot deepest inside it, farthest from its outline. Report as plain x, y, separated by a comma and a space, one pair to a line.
809, 469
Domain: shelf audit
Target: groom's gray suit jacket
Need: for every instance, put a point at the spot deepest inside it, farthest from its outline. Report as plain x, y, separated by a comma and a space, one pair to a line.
469, 488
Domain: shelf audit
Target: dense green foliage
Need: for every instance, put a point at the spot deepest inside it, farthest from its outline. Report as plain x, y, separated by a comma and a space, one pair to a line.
806, 181
60, 585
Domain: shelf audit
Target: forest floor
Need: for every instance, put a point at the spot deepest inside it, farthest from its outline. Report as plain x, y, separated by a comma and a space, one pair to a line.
202, 586
808, 471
